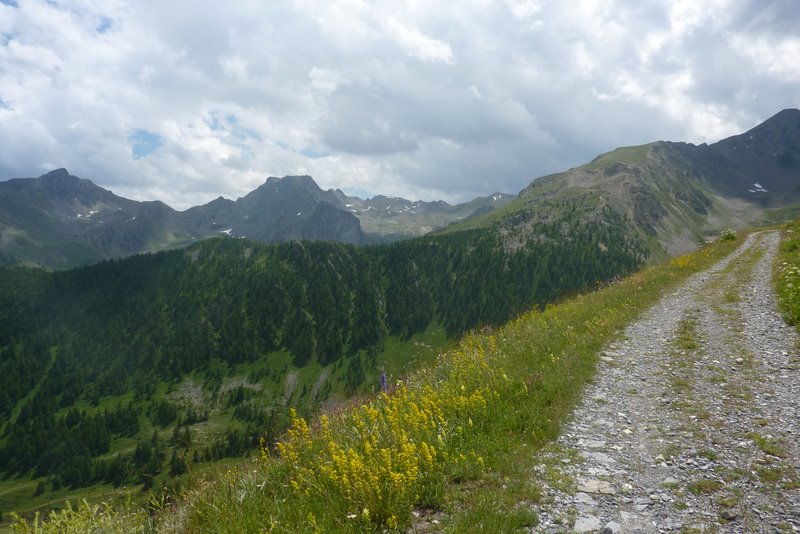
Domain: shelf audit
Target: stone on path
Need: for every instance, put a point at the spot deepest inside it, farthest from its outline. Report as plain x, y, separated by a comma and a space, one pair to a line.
600, 457
596, 486
585, 498
586, 523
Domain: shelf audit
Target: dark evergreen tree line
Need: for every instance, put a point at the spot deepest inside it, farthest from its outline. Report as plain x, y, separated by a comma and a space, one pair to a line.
126, 324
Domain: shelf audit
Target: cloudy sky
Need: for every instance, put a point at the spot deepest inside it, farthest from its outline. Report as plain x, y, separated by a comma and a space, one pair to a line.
186, 100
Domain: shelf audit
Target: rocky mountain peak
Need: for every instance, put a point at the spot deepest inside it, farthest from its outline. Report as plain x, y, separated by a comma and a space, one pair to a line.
59, 185
300, 181
58, 178
777, 134
788, 114
56, 174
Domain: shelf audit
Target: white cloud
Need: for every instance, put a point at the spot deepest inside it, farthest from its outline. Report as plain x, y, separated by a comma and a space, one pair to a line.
689, 16
417, 44
326, 80
778, 58
427, 101
524, 9
235, 67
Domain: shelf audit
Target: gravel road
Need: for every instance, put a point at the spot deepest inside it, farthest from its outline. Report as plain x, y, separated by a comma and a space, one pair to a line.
692, 423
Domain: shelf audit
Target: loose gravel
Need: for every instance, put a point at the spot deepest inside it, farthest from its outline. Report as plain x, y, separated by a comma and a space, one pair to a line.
693, 420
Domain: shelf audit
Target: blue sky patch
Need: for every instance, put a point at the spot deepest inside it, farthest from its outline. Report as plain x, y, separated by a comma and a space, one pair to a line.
144, 143
104, 26
314, 154
236, 135
214, 123
11, 3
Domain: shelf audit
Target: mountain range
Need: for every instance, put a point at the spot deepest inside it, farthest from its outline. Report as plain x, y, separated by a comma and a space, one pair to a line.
673, 196
59, 220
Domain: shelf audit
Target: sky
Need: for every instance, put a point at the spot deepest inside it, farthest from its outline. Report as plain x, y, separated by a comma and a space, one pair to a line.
187, 100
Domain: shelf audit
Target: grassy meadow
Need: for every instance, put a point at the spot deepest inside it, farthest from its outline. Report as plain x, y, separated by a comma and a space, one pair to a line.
453, 442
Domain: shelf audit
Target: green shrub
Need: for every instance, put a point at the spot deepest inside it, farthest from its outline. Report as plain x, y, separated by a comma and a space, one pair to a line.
727, 235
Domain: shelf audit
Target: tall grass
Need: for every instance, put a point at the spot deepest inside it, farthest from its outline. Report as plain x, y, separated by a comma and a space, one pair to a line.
787, 279
433, 439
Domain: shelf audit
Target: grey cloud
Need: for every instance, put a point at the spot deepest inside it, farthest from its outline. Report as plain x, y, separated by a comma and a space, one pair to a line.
780, 17
398, 109
424, 102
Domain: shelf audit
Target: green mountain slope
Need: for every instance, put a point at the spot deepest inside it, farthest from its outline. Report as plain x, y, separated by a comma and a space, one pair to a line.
59, 220
674, 196
127, 371
455, 443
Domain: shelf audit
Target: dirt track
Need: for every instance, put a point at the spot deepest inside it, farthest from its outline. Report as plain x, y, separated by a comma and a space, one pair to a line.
693, 421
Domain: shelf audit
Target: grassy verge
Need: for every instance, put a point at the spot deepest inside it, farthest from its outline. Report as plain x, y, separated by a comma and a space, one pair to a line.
787, 279
455, 441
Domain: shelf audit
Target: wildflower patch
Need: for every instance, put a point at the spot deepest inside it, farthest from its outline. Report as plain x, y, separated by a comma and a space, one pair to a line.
373, 463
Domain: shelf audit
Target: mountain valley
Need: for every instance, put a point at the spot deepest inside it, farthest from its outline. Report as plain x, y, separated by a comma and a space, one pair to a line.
153, 344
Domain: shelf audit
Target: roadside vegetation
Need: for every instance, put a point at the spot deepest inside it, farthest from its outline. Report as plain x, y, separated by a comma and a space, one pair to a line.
453, 443
787, 279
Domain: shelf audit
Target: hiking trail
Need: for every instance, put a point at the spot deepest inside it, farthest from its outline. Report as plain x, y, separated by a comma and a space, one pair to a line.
692, 423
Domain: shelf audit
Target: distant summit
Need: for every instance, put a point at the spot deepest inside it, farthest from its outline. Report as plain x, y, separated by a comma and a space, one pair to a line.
281, 209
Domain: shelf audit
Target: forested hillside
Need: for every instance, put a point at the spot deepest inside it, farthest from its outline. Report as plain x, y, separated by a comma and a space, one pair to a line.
96, 362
